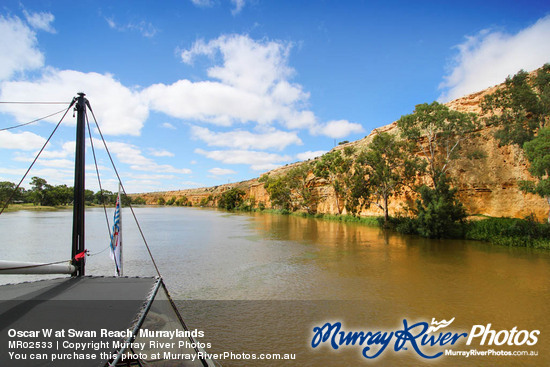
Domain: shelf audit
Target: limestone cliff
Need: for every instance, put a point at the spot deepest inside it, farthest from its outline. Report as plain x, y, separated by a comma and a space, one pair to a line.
486, 176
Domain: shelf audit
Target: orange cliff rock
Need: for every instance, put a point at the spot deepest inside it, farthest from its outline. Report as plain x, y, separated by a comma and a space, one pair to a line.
486, 176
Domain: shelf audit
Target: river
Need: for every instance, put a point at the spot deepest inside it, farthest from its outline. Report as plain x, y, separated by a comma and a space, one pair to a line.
259, 283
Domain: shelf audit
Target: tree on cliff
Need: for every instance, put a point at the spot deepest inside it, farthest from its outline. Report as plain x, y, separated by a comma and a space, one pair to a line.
438, 132
335, 167
538, 153
381, 171
278, 190
300, 187
231, 199
521, 107
522, 111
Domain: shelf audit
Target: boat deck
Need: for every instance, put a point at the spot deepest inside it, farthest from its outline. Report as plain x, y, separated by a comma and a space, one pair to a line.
85, 321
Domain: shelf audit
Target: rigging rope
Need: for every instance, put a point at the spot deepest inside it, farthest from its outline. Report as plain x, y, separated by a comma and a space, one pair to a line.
30, 102
85, 253
124, 190
33, 121
36, 158
35, 265
97, 170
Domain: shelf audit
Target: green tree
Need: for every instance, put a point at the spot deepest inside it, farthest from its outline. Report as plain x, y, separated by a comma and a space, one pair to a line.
182, 201
438, 211
104, 197
538, 154
383, 169
278, 189
521, 107
88, 196
231, 199
300, 187
59, 195
38, 188
7, 191
438, 132
125, 200
205, 201
335, 167
521, 110
139, 201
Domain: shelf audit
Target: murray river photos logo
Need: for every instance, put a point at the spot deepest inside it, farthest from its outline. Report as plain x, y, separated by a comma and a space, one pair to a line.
427, 340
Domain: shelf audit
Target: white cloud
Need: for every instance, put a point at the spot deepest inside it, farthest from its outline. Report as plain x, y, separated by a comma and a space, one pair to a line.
168, 125
118, 109
250, 65
190, 184
42, 21
160, 153
210, 102
140, 186
21, 141
273, 139
132, 155
239, 5
251, 85
487, 58
310, 155
146, 29
203, 3
19, 48
54, 176
256, 160
166, 168
59, 163
111, 23
221, 171
142, 176
337, 129
67, 149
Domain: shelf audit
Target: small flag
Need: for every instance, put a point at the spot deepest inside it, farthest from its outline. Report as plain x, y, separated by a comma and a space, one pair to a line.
116, 239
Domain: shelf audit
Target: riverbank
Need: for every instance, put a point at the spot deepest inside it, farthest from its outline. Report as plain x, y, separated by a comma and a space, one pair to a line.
38, 208
511, 232
32, 207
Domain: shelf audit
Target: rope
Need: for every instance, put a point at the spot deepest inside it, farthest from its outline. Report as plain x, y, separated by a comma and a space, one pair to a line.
124, 191
35, 266
33, 121
98, 177
85, 252
36, 158
100, 252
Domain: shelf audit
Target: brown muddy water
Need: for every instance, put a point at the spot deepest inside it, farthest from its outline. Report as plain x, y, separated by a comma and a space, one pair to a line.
260, 283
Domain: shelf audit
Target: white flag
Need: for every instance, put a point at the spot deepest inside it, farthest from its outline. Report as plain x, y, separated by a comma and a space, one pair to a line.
116, 239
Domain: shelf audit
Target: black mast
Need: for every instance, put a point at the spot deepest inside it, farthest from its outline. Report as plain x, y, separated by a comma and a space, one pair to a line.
79, 205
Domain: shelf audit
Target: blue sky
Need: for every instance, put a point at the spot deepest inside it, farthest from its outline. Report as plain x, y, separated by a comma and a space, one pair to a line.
194, 93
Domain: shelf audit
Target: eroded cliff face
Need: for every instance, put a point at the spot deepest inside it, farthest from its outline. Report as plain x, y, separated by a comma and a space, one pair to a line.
486, 176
